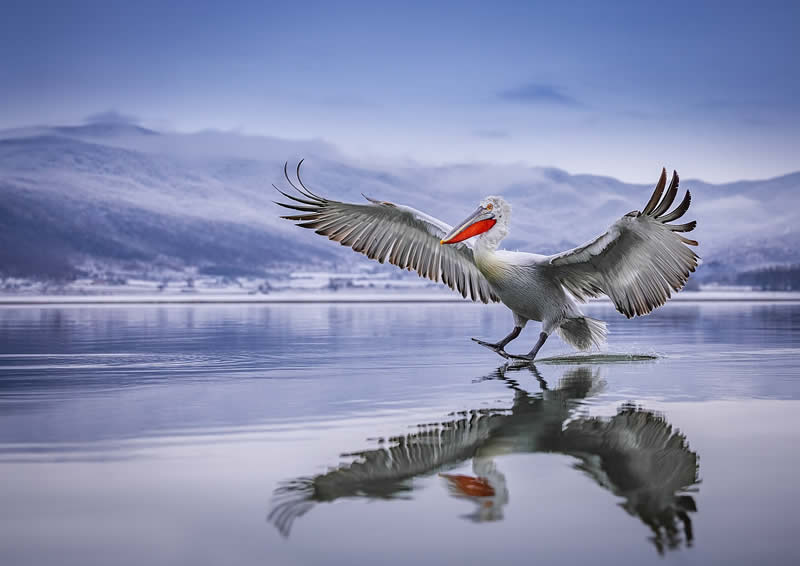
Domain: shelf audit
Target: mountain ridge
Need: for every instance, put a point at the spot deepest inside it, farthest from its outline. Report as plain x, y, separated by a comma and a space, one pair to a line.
125, 199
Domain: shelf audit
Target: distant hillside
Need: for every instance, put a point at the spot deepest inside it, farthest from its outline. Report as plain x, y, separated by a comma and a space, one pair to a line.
776, 278
124, 199
71, 206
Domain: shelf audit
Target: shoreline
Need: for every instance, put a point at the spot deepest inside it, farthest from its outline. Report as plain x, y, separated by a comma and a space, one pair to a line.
349, 298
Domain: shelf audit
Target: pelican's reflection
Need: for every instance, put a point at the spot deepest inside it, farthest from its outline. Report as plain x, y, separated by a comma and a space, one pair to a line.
635, 454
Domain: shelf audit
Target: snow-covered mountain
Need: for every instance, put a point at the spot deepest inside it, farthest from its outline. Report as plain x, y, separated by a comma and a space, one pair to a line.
120, 198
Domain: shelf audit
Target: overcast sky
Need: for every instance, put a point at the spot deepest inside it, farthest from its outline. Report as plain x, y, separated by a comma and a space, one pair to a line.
616, 88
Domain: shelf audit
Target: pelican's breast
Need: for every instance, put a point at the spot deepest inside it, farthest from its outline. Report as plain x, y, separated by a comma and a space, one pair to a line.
493, 268
522, 287
511, 282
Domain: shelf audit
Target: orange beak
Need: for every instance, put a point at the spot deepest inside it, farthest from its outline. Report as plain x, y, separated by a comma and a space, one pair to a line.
477, 223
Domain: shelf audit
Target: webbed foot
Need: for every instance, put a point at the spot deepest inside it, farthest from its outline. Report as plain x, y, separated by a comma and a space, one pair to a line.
497, 348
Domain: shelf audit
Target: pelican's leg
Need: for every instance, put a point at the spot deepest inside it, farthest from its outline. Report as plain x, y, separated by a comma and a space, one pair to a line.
499, 347
532, 354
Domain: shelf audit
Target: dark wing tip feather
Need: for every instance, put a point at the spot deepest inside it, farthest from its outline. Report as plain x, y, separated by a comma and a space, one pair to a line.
296, 207
304, 191
679, 210
300, 217
669, 196
311, 205
657, 192
658, 210
302, 184
688, 227
294, 198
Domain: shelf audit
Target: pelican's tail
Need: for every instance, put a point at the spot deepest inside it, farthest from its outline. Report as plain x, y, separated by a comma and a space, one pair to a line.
583, 332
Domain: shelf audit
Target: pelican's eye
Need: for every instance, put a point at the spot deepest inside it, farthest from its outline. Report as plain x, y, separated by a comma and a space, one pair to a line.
489, 206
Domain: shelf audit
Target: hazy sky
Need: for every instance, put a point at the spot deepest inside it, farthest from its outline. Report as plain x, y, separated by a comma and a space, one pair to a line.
618, 88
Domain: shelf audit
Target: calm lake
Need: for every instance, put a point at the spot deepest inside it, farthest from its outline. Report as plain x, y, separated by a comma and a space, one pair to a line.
380, 434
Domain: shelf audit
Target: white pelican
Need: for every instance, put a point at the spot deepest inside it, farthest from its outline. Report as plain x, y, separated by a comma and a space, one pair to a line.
637, 262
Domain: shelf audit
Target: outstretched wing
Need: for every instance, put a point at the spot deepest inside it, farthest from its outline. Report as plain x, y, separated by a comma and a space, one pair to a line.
638, 261
390, 232
638, 456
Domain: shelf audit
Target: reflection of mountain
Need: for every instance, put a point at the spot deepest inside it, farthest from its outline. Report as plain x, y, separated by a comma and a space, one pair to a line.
131, 200
635, 454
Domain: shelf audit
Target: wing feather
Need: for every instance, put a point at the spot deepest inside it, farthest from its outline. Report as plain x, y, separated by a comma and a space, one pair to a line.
651, 204
639, 261
384, 231
680, 210
688, 227
669, 197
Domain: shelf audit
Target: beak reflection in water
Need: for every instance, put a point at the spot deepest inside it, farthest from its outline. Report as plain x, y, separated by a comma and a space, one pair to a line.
635, 454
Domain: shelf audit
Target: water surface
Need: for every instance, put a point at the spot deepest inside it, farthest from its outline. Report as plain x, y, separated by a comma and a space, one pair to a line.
356, 434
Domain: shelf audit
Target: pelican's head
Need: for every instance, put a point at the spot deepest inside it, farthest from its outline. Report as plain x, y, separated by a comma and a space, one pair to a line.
490, 219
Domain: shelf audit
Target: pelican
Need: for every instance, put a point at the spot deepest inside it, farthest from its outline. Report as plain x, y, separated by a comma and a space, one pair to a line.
637, 262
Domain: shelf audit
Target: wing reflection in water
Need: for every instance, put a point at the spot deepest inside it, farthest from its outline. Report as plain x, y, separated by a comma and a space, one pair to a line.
635, 454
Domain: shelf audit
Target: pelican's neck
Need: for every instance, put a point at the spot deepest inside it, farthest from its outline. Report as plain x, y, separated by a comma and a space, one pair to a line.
484, 248
485, 254
487, 242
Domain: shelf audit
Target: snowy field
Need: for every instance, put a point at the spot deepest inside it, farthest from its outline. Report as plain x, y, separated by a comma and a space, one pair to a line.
294, 287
